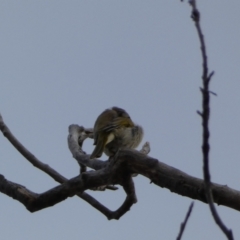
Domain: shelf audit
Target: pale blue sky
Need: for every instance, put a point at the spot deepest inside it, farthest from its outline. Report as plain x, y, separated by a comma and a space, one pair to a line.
64, 62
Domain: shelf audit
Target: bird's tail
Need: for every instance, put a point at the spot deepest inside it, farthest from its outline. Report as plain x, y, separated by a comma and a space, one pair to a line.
98, 150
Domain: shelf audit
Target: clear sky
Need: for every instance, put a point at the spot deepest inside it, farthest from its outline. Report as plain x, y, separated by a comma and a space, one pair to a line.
64, 62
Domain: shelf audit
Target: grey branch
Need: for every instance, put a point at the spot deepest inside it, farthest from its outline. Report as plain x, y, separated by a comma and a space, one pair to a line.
117, 170
35, 202
161, 174
7, 188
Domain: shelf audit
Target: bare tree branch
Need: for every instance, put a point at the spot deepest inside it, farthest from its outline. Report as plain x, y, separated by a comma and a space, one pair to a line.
48, 170
114, 171
92, 179
27, 154
183, 225
206, 77
161, 174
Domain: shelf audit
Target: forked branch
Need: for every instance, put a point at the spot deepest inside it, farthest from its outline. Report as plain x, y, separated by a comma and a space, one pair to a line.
116, 171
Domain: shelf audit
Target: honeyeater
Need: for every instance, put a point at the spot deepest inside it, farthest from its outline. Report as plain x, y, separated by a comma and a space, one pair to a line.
114, 130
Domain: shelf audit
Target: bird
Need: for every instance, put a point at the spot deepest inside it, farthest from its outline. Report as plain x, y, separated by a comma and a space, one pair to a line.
114, 130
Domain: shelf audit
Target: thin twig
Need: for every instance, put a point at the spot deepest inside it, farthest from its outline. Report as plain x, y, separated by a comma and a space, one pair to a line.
205, 120
184, 223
